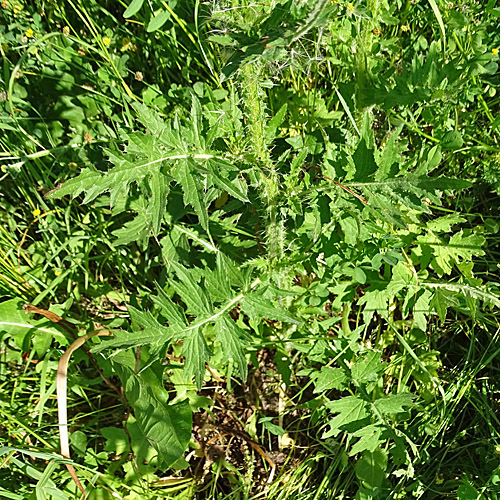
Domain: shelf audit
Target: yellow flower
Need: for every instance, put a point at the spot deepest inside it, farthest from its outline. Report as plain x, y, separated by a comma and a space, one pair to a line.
350, 7
439, 479
405, 28
29, 33
17, 9
66, 31
106, 40
36, 212
57, 273
494, 51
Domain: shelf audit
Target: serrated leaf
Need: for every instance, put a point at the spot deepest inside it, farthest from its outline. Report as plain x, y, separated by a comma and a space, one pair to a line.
375, 299
329, 378
352, 412
158, 21
196, 120
217, 168
370, 437
402, 277
171, 311
192, 192
189, 289
227, 267
368, 368
230, 337
126, 340
159, 193
196, 352
441, 300
217, 285
133, 8
444, 224
258, 307
462, 246
364, 161
136, 229
394, 403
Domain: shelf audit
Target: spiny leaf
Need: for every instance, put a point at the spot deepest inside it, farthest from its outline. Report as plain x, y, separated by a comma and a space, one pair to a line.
159, 193
192, 191
218, 169
188, 288
149, 118
173, 312
196, 352
230, 337
258, 307
136, 229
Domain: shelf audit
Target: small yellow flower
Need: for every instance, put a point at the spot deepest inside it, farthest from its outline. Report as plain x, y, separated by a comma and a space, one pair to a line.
66, 31
57, 273
17, 9
106, 40
350, 7
72, 165
36, 212
29, 33
494, 51
439, 479
125, 43
405, 28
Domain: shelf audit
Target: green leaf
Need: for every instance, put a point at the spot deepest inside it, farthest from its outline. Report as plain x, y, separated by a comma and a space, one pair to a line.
352, 412
167, 427
174, 314
192, 191
137, 229
22, 327
159, 193
368, 368
275, 122
394, 403
452, 140
258, 307
217, 168
329, 378
467, 492
370, 468
158, 21
192, 294
150, 119
370, 437
133, 8
196, 352
230, 337
462, 246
